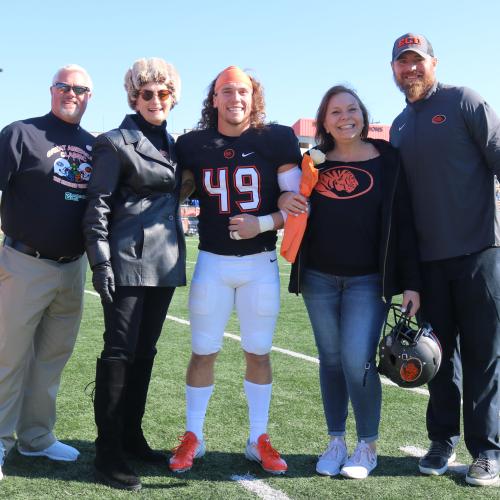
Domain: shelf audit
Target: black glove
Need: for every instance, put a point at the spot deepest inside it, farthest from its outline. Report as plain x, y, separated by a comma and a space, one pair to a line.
103, 280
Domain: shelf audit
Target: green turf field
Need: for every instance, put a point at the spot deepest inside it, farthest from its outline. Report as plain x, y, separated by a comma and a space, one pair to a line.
297, 425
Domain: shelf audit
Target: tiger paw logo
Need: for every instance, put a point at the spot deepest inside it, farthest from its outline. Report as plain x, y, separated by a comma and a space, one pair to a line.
344, 182
411, 370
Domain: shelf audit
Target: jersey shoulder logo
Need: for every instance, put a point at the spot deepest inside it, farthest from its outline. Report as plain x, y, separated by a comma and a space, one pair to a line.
438, 119
344, 182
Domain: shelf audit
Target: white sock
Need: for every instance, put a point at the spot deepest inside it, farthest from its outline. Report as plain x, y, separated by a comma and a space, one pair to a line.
197, 399
259, 399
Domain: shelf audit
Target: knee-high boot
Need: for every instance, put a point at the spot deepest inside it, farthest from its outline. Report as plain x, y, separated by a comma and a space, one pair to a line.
134, 442
110, 466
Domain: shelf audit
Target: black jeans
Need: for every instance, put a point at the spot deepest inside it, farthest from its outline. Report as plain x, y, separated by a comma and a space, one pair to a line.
133, 322
461, 300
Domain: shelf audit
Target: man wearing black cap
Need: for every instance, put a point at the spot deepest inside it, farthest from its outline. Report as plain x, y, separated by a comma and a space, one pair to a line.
449, 140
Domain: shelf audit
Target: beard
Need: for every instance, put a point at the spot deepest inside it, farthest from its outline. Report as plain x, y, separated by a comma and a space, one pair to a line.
417, 89
70, 112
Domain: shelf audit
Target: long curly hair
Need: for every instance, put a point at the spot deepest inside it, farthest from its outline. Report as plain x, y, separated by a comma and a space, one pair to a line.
149, 70
324, 140
209, 114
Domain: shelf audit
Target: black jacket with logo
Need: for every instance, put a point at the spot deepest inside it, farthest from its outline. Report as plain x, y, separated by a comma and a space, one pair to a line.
398, 254
450, 147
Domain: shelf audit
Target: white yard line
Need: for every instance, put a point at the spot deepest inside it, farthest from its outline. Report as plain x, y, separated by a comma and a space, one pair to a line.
264, 491
293, 354
299, 355
257, 486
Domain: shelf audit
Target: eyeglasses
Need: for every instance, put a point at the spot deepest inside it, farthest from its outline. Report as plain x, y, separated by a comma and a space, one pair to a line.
64, 88
147, 95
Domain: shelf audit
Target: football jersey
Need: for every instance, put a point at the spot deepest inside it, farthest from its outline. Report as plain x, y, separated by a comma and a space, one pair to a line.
235, 175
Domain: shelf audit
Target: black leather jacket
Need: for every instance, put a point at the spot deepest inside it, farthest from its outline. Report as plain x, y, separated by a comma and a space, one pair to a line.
398, 251
132, 217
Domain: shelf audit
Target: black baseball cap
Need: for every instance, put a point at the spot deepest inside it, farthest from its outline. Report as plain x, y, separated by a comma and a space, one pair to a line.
415, 43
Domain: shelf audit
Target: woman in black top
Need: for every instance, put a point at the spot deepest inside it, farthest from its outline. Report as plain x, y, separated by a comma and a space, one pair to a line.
135, 245
359, 249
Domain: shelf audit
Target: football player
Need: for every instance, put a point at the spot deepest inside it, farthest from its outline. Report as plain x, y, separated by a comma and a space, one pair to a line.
239, 166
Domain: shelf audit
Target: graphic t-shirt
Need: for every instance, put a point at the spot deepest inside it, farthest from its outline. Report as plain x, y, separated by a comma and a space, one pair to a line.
45, 166
344, 223
235, 175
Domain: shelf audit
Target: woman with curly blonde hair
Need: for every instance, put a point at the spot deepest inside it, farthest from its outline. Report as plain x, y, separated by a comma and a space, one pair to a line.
135, 245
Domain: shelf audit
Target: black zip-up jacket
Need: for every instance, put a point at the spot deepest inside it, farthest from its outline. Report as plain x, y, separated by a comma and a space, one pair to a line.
398, 253
449, 143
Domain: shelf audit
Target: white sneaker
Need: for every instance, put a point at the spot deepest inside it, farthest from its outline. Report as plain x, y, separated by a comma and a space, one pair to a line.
333, 458
360, 463
57, 451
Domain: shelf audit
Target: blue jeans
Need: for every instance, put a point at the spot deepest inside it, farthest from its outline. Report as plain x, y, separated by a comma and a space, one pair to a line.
347, 314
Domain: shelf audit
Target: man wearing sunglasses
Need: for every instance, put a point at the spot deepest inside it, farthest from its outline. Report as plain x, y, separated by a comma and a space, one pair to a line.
45, 165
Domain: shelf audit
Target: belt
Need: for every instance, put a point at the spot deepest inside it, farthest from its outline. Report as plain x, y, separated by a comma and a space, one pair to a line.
21, 247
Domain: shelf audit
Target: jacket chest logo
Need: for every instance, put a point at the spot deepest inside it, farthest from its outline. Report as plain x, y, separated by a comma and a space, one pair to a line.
438, 119
228, 154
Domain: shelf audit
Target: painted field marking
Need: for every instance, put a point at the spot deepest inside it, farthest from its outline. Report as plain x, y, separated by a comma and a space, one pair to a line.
257, 486
299, 355
293, 354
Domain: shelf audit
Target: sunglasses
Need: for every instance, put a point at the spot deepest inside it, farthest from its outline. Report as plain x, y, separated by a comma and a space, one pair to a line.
147, 95
64, 88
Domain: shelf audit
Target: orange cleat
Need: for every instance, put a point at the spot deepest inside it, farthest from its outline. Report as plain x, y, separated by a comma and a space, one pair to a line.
266, 455
184, 454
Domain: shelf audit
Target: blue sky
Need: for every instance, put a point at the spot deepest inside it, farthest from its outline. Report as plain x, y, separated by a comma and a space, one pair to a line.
297, 49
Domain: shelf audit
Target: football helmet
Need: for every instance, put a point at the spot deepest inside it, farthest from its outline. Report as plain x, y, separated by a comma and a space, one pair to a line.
409, 355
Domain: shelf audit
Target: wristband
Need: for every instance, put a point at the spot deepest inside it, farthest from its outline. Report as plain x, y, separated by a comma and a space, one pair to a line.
284, 215
266, 223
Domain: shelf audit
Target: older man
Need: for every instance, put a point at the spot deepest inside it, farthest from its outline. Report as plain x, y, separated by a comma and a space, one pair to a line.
449, 139
45, 165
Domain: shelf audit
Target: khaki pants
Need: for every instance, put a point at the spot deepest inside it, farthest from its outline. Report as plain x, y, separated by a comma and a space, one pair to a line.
41, 305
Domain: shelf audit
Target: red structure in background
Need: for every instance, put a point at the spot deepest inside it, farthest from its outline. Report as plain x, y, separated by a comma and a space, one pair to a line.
305, 128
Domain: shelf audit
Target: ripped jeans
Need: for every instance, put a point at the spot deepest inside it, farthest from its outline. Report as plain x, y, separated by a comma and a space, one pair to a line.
347, 314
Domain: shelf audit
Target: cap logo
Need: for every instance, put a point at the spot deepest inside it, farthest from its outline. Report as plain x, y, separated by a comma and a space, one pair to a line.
409, 40
437, 119
228, 154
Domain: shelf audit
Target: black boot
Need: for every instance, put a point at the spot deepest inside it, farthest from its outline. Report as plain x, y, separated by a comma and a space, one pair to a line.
136, 393
110, 466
